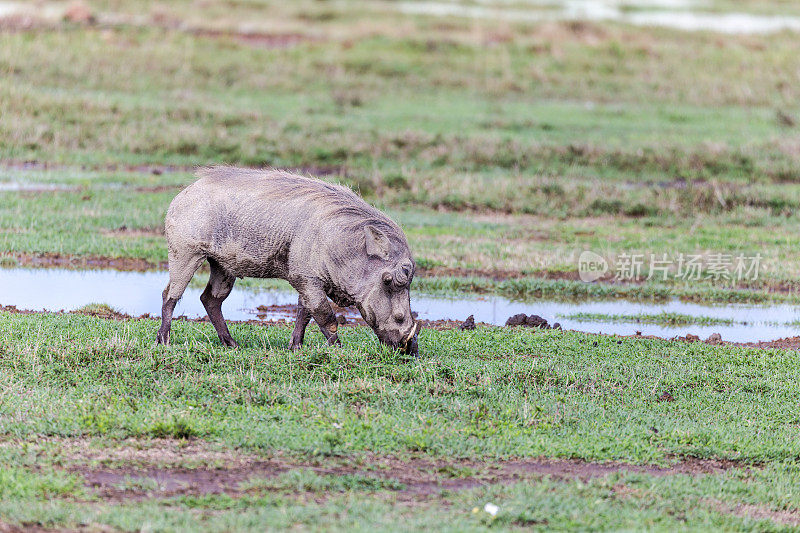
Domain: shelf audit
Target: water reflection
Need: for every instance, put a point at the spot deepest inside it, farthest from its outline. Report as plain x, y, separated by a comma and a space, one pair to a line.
137, 293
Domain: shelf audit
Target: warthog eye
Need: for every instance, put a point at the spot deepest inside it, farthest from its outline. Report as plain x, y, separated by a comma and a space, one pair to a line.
402, 275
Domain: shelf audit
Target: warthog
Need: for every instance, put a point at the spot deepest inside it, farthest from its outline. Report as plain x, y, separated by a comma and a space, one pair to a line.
321, 238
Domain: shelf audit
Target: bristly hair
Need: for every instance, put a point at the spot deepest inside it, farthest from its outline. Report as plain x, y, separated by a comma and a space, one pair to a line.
332, 200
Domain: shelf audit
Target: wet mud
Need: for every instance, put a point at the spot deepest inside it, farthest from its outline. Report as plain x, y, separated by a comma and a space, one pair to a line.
155, 169
258, 39
151, 168
412, 478
83, 262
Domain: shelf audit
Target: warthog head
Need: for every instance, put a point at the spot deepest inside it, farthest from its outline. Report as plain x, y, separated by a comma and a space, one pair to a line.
386, 301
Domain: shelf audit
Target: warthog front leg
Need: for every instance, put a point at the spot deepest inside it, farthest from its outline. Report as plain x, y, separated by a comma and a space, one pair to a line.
220, 285
314, 304
167, 308
300, 324
181, 270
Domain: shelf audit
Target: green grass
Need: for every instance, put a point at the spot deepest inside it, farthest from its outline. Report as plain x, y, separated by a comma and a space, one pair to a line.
303, 480
514, 156
486, 395
665, 318
491, 393
120, 215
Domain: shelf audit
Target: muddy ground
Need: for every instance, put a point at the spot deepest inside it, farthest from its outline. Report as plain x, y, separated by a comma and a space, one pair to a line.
56, 260
156, 169
132, 264
411, 478
136, 469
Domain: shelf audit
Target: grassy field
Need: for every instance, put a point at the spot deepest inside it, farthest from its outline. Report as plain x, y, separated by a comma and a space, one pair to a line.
504, 149
719, 421
498, 146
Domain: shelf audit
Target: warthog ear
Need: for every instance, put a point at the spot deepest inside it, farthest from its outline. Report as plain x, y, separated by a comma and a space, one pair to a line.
377, 242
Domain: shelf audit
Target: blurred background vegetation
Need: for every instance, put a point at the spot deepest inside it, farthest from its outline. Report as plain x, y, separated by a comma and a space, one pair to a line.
503, 136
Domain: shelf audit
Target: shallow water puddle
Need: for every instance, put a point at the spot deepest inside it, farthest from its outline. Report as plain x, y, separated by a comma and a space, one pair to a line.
677, 14
138, 293
15, 186
49, 10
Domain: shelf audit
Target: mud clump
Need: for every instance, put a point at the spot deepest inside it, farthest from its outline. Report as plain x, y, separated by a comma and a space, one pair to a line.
101, 310
785, 119
714, 338
468, 324
531, 321
666, 397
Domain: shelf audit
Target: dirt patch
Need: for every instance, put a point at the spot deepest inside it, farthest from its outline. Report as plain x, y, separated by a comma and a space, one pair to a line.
156, 169
125, 231
160, 188
56, 260
502, 275
344, 315
347, 317
139, 469
257, 40
666, 397
132, 452
442, 271
29, 527
287, 310
151, 168
13, 309
788, 343
756, 512
415, 477
101, 311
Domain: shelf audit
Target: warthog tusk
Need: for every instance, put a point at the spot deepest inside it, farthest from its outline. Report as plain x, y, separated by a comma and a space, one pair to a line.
410, 336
